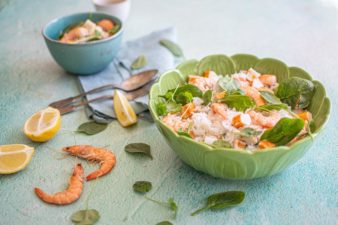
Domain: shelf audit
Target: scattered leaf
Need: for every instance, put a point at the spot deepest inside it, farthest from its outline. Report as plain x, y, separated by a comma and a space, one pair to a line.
161, 109
174, 48
171, 204
142, 186
87, 217
92, 127
138, 148
284, 131
222, 200
207, 96
270, 97
139, 62
164, 223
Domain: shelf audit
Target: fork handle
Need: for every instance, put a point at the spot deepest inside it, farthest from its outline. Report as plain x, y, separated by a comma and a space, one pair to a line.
66, 101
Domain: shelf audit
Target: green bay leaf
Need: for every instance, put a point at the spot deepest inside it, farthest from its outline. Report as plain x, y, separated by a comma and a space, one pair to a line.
88, 217
174, 48
91, 128
142, 186
139, 62
138, 148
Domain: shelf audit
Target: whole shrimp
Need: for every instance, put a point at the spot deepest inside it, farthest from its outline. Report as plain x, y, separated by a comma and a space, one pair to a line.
104, 157
68, 196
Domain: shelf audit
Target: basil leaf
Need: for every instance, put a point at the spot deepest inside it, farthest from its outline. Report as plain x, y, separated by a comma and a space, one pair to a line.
207, 96
161, 109
138, 148
249, 132
239, 102
269, 108
270, 98
173, 107
183, 133
92, 127
139, 62
88, 217
222, 200
229, 84
114, 29
142, 186
185, 93
296, 92
221, 144
171, 204
174, 48
164, 223
284, 131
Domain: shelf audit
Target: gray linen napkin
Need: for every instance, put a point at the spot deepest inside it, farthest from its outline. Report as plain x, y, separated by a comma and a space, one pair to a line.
158, 58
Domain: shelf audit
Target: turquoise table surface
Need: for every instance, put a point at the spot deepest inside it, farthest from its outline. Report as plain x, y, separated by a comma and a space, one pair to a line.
302, 33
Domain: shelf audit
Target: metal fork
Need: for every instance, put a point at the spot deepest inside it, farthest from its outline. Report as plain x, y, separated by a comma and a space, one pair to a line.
130, 96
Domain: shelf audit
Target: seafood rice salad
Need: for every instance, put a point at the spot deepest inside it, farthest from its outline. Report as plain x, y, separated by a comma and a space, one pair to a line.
246, 110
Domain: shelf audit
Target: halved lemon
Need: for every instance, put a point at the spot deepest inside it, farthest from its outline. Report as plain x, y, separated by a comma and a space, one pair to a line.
43, 125
14, 158
124, 112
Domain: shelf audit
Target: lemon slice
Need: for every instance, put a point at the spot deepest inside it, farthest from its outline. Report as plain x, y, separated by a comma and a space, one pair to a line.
43, 125
124, 112
14, 158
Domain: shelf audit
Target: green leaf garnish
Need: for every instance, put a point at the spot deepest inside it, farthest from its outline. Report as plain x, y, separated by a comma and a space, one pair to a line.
183, 133
114, 30
91, 128
161, 109
222, 200
88, 217
164, 223
269, 108
221, 144
207, 96
284, 131
238, 102
229, 84
270, 97
249, 132
142, 186
174, 48
136, 148
296, 92
171, 204
185, 93
139, 62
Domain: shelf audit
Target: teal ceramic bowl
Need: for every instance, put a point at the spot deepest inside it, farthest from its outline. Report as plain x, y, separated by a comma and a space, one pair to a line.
86, 58
226, 162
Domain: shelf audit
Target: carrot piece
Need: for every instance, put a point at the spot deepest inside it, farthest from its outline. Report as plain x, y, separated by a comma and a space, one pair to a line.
266, 144
206, 73
238, 144
237, 122
220, 95
305, 115
106, 24
187, 110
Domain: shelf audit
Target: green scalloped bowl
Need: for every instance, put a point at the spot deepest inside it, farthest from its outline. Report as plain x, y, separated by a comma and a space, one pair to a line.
226, 162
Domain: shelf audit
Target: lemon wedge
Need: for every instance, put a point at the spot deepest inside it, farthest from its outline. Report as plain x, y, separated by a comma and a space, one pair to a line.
14, 158
43, 125
124, 112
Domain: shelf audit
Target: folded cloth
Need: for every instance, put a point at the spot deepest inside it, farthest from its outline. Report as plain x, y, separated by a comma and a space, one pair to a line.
158, 58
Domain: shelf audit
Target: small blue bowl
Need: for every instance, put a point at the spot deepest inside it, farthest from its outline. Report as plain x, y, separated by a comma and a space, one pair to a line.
84, 58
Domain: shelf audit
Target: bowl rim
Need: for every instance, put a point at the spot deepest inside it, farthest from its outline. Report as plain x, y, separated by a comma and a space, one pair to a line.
253, 152
86, 43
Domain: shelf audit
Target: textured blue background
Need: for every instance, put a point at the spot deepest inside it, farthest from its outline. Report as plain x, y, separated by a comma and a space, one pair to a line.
302, 33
